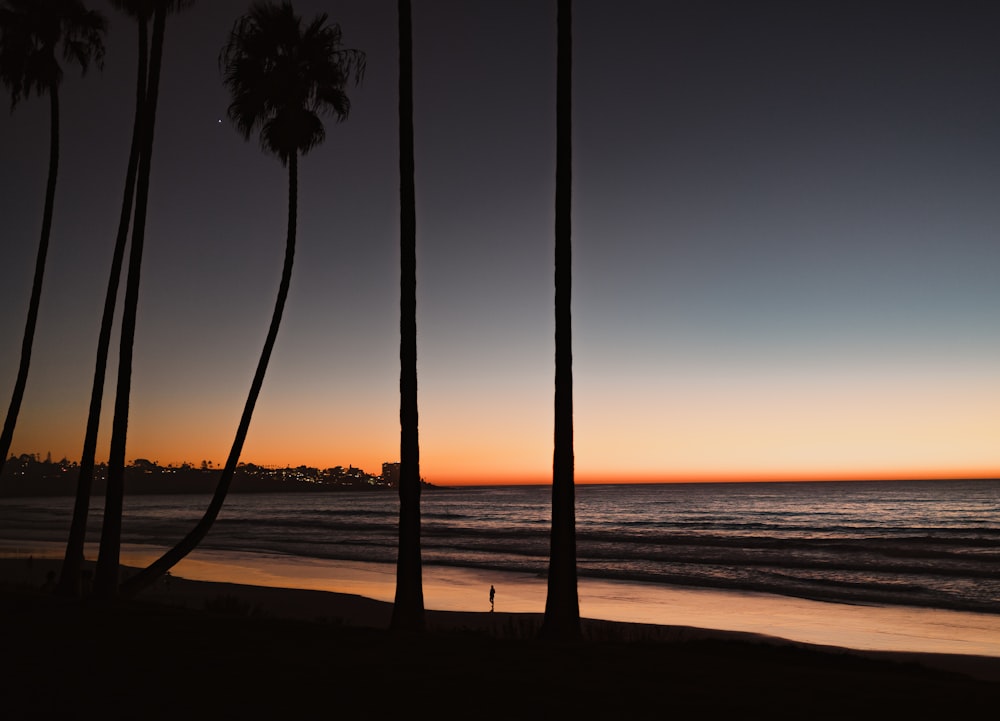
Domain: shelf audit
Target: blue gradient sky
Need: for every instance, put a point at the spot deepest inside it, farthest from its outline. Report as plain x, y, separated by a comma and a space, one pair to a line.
786, 246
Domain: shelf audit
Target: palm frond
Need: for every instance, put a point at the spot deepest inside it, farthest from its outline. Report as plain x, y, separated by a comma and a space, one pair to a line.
84, 37
33, 33
283, 75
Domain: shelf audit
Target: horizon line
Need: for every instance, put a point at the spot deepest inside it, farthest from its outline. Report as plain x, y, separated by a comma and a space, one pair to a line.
592, 478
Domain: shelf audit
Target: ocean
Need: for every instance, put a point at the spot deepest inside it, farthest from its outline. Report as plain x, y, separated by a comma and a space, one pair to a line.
926, 544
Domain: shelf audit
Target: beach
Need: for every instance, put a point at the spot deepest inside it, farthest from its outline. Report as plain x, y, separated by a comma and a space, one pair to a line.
202, 649
284, 611
464, 591
460, 590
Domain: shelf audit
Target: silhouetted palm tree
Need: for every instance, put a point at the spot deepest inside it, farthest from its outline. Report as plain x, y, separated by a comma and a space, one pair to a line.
408, 608
106, 577
562, 607
69, 578
33, 33
282, 77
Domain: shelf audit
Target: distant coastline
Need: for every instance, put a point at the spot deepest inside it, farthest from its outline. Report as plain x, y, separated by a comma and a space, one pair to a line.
26, 476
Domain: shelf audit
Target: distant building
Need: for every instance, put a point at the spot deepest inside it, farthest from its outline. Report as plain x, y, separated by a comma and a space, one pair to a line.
390, 474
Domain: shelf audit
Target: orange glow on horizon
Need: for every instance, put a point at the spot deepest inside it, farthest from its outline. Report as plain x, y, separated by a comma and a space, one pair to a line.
461, 454
583, 479
460, 470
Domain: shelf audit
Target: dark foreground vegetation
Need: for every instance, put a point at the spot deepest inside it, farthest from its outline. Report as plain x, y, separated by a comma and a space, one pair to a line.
157, 661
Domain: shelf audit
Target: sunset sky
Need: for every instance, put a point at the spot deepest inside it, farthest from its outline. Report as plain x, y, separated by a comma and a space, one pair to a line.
786, 241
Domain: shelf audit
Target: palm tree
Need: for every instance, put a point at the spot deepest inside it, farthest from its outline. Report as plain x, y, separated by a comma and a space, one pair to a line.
562, 606
33, 33
106, 577
69, 578
282, 77
408, 608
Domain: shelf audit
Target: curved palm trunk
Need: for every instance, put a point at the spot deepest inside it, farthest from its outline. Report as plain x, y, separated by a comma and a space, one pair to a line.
7, 435
408, 608
562, 607
106, 577
150, 574
69, 577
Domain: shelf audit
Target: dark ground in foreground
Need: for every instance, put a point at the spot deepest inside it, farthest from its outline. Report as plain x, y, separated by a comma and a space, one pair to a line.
153, 661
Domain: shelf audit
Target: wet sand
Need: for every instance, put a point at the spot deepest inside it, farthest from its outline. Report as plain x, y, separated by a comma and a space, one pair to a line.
462, 590
860, 627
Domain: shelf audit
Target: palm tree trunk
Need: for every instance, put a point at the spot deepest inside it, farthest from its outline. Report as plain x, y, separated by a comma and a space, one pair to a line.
149, 575
69, 578
106, 577
562, 607
7, 435
408, 608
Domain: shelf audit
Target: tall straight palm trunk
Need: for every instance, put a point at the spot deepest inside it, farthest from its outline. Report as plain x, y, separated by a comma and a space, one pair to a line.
562, 607
21, 382
106, 577
69, 578
408, 608
168, 560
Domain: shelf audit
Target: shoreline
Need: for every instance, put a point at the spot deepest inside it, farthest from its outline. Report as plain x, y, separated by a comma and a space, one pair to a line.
356, 610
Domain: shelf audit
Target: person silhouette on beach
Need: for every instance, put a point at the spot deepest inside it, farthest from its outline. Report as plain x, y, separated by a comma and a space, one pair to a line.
492, 594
